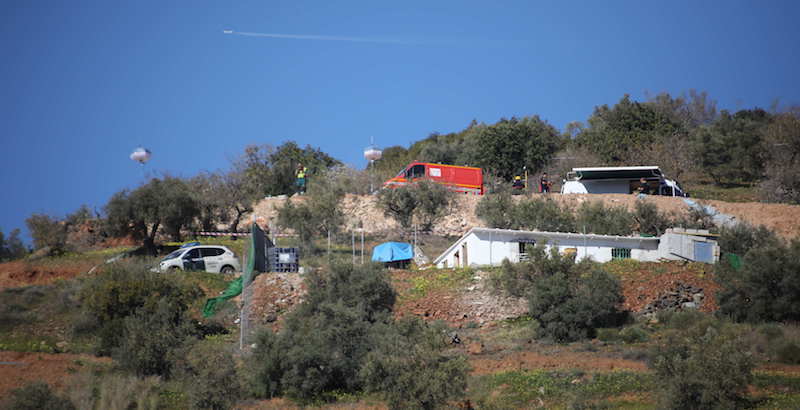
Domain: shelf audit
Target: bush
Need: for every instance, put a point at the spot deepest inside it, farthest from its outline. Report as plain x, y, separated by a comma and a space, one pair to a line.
496, 210
742, 237
326, 338
209, 376
319, 214
634, 334
152, 337
126, 290
595, 217
47, 232
703, 366
36, 396
544, 215
569, 307
569, 300
115, 391
434, 202
765, 288
649, 219
518, 279
342, 339
410, 371
425, 202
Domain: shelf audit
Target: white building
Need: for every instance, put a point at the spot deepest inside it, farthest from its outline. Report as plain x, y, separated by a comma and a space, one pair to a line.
489, 246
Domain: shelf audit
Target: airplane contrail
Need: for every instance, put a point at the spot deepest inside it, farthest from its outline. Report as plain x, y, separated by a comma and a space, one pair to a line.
316, 37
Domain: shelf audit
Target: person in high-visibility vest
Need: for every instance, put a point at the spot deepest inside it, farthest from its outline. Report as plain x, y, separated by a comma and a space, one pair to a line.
301, 179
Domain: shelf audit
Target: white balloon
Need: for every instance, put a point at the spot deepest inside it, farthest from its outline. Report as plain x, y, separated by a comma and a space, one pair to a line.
141, 155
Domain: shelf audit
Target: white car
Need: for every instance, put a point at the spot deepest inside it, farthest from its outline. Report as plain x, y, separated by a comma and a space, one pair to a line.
209, 258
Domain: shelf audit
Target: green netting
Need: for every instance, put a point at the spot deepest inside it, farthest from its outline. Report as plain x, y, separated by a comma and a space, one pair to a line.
235, 288
735, 260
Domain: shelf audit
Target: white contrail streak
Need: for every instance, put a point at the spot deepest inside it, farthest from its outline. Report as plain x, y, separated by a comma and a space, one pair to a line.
315, 37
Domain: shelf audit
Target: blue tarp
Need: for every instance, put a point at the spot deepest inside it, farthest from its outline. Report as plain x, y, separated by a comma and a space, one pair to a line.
392, 251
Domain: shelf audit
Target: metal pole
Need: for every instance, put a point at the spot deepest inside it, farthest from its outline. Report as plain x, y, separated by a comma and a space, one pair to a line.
353, 243
362, 246
329, 243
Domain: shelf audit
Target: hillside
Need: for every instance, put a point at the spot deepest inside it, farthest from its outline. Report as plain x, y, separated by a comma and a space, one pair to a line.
361, 210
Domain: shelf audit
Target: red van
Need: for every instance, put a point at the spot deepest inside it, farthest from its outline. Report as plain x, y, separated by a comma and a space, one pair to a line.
468, 180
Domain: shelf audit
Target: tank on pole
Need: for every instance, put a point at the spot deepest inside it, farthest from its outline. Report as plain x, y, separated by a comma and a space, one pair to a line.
372, 153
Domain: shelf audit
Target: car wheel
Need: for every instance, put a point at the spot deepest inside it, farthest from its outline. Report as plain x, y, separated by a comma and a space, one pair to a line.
227, 270
174, 269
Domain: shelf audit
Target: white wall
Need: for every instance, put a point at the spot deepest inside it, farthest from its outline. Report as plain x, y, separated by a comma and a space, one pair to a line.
490, 248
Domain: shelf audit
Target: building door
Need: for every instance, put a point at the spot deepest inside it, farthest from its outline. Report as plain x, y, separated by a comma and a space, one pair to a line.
464, 253
704, 252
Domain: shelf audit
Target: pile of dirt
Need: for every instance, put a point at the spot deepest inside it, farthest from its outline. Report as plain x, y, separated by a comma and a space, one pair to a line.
652, 281
274, 294
476, 303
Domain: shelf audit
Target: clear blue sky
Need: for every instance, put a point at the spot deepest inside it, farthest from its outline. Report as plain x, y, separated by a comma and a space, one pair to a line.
85, 82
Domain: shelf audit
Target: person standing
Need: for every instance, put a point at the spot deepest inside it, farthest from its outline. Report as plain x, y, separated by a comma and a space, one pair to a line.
301, 179
544, 183
644, 187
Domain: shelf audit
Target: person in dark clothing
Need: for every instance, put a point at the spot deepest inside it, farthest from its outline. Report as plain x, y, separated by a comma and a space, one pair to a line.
544, 183
518, 186
643, 188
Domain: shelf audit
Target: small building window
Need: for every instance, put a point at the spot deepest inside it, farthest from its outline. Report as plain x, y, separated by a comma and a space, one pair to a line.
620, 253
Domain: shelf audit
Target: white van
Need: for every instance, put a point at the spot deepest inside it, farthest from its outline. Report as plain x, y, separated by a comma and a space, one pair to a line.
619, 180
209, 258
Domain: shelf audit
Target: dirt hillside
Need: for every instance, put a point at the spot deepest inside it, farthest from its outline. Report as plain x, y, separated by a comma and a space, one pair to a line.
362, 211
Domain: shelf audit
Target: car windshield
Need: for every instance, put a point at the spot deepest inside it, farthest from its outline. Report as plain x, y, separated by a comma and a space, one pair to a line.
174, 254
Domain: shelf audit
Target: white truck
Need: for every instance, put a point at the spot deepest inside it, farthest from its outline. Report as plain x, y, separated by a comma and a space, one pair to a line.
619, 180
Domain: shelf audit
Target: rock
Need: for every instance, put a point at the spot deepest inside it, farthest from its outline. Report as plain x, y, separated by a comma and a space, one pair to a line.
689, 305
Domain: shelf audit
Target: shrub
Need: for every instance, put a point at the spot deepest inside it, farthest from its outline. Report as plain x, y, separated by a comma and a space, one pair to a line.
128, 289
544, 215
326, 338
649, 219
496, 210
11, 247
569, 300
410, 371
765, 288
319, 214
517, 279
36, 396
151, 339
634, 334
742, 237
47, 232
703, 366
425, 201
399, 204
115, 391
569, 307
433, 202
595, 217
209, 376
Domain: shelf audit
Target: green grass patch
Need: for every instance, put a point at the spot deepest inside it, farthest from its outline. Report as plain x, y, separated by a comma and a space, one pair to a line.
27, 344
739, 193
439, 279
522, 389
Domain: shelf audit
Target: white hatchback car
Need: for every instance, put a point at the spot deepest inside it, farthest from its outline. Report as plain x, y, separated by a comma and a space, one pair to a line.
209, 258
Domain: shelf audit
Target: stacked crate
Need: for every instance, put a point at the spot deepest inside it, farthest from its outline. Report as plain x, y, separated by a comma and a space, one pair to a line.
283, 259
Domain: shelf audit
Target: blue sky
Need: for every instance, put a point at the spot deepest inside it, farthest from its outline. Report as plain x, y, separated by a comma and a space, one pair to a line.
86, 82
